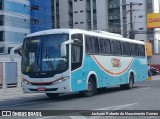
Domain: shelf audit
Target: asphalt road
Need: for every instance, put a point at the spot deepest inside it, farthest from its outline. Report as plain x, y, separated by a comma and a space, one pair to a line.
144, 96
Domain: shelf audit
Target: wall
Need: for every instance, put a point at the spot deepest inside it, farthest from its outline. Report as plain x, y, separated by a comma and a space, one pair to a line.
64, 15
139, 23
154, 61
102, 14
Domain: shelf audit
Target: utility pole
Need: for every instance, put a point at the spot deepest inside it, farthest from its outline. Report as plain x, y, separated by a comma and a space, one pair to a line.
131, 32
131, 21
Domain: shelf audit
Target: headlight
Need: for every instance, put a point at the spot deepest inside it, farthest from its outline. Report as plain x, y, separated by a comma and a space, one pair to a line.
60, 80
26, 82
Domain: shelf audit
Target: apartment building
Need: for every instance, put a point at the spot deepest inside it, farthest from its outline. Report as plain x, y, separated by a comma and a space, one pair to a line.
41, 15
83, 14
14, 23
108, 15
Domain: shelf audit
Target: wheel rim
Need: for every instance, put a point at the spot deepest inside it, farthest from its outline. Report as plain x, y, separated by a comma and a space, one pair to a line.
131, 82
89, 86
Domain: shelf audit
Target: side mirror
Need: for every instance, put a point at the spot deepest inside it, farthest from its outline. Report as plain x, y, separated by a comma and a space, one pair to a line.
64, 48
12, 53
19, 51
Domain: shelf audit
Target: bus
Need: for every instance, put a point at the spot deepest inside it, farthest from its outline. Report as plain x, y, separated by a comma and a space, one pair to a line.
62, 61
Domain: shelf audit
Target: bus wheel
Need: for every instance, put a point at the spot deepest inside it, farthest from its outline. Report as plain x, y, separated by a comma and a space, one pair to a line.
52, 95
91, 88
130, 84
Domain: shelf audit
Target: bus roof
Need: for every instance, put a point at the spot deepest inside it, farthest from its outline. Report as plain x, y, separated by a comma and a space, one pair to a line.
97, 33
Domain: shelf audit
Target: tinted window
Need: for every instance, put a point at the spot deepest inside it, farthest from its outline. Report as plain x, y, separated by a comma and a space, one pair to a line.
1, 4
134, 49
125, 48
104, 46
115, 47
91, 44
78, 38
77, 51
141, 50
34, 7
1, 36
1, 20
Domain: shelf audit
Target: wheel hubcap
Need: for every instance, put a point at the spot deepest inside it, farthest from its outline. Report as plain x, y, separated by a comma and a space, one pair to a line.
89, 86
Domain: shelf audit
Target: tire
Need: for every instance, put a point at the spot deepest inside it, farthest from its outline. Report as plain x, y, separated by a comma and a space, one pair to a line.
130, 84
91, 88
52, 95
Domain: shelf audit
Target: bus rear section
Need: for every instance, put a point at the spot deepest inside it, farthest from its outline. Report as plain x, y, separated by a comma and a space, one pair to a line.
109, 61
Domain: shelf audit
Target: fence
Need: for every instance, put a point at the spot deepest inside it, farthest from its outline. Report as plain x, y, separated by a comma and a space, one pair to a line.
10, 75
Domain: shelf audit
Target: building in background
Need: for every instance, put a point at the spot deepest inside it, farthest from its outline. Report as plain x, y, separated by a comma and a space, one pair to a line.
83, 14
125, 17
41, 15
14, 23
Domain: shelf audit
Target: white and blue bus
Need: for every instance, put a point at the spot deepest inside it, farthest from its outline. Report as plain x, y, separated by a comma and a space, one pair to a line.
72, 60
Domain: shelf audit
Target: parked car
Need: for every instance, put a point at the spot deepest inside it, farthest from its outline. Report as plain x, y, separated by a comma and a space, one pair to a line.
154, 71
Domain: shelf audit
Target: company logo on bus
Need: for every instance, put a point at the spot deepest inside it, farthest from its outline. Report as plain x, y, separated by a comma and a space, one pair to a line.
116, 62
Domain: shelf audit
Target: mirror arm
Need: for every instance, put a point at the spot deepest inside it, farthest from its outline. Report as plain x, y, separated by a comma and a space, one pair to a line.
12, 53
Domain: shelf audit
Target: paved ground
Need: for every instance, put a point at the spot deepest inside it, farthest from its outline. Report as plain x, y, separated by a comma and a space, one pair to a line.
17, 91
145, 96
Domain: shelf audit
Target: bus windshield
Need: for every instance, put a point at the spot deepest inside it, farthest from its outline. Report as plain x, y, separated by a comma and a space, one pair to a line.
42, 54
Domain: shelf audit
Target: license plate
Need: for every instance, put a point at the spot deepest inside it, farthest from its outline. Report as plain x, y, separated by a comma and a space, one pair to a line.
41, 89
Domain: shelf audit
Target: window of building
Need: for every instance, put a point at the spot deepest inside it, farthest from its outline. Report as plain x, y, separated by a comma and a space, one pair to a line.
1, 36
75, 0
140, 28
34, 21
80, 0
82, 22
1, 49
81, 11
76, 23
149, 5
141, 16
34, 7
1, 20
1, 4
75, 11
139, 4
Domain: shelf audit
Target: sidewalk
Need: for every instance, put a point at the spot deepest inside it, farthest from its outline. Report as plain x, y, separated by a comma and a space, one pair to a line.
156, 77
18, 91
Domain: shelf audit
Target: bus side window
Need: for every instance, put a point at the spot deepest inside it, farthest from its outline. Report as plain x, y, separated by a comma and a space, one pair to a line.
104, 46
91, 45
125, 48
116, 47
134, 51
127, 45
141, 50
95, 47
88, 43
76, 51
